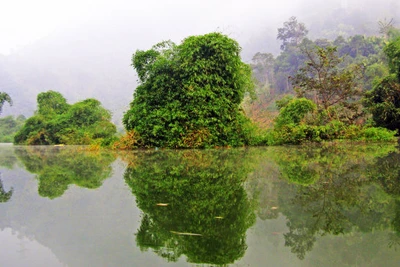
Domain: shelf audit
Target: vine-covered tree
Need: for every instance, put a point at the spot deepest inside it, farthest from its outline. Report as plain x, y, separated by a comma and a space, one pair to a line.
56, 122
190, 94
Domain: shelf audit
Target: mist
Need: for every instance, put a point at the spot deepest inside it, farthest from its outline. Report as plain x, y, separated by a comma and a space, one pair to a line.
84, 50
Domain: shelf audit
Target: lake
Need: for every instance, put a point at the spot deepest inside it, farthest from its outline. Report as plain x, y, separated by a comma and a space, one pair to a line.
317, 205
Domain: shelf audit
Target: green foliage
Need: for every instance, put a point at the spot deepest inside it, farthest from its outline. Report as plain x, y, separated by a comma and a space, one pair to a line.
194, 203
190, 94
9, 126
392, 51
294, 111
51, 103
384, 100
335, 190
59, 167
322, 80
56, 122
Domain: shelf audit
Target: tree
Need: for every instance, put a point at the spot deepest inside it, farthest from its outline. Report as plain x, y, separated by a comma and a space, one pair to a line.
4, 196
385, 27
4, 97
383, 101
56, 122
51, 103
335, 90
190, 94
292, 33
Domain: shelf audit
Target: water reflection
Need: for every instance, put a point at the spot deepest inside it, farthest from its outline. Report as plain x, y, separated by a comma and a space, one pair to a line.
4, 196
332, 191
330, 205
59, 167
194, 203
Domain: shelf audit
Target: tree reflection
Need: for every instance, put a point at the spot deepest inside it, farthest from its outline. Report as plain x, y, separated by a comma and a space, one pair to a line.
336, 194
58, 167
4, 196
194, 203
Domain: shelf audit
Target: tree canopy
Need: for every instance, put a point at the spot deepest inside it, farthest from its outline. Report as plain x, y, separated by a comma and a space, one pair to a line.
384, 100
56, 122
190, 94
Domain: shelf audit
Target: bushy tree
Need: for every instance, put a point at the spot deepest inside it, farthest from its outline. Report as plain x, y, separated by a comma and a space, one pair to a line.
384, 100
9, 126
190, 94
56, 122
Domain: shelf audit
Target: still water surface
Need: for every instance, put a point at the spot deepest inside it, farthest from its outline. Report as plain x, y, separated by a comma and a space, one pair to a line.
331, 205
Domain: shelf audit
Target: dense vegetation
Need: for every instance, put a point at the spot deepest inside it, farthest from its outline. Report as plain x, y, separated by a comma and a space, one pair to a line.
384, 99
314, 89
60, 167
57, 122
194, 203
199, 94
9, 126
190, 94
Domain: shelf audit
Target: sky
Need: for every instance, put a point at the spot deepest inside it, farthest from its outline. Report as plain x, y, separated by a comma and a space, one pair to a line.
22, 22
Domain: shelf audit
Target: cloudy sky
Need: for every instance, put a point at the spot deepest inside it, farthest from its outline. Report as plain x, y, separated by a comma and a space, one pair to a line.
22, 22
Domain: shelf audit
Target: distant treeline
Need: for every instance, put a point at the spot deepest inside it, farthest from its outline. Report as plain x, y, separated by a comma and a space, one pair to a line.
199, 94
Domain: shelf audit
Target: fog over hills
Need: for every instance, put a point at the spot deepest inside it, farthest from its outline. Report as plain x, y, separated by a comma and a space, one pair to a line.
90, 55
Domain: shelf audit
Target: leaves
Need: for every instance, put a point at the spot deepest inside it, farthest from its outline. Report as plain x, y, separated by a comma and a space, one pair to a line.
190, 94
56, 122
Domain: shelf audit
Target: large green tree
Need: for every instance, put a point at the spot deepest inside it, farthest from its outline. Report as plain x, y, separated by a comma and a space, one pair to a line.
190, 94
56, 122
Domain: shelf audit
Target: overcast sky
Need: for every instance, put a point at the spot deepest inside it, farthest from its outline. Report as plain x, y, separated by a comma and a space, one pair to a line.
24, 21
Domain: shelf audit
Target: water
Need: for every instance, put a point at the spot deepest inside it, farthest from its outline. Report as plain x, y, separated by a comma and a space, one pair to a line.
331, 205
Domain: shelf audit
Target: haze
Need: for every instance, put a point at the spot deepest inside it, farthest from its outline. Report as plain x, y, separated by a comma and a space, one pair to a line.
83, 48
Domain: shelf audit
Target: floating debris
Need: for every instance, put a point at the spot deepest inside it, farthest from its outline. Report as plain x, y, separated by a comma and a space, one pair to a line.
180, 233
162, 204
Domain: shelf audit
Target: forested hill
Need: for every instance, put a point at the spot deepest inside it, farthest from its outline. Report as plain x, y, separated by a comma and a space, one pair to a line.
93, 59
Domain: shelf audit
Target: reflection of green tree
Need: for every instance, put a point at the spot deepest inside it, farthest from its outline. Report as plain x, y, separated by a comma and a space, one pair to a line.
4, 196
386, 172
7, 156
205, 201
338, 198
58, 167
